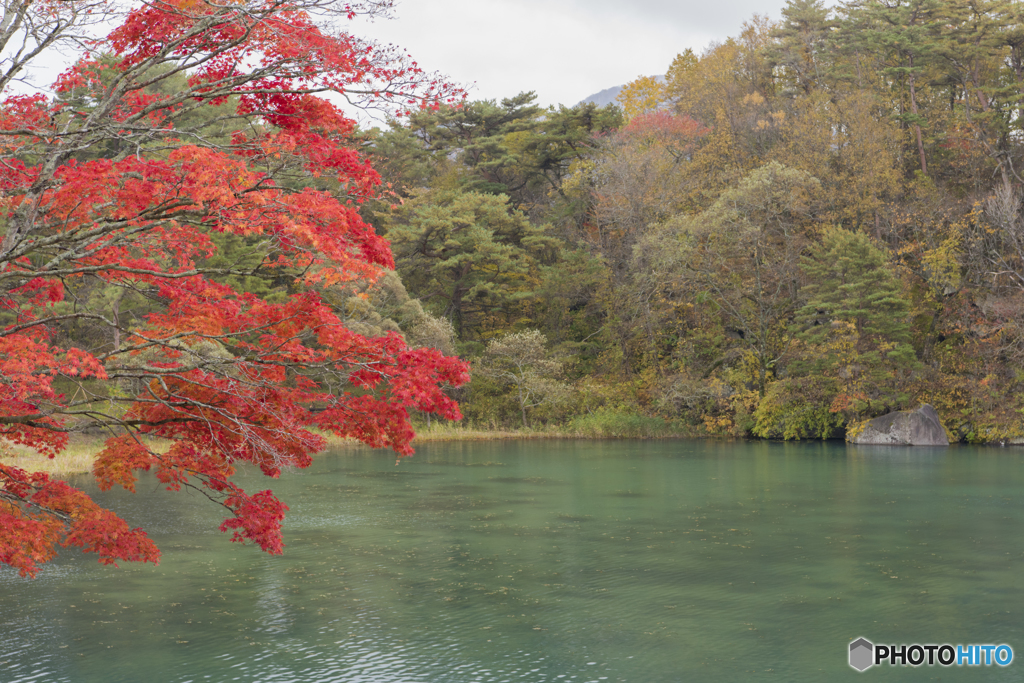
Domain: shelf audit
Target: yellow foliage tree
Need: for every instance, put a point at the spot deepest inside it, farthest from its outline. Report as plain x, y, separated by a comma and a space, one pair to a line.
644, 95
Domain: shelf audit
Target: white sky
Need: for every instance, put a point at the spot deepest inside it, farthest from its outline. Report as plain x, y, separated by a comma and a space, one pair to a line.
564, 50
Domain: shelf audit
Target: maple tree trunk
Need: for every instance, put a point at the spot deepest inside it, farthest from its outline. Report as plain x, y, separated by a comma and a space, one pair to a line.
117, 325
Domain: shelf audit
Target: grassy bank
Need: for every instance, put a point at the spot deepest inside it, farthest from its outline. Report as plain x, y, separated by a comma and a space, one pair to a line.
78, 457
596, 425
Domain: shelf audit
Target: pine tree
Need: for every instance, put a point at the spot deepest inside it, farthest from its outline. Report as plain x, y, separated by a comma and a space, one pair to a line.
802, 50
904, 31
855, 321
475, 134
467, 254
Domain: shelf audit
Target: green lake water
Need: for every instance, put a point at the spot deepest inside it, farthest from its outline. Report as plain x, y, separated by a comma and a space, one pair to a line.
553, 561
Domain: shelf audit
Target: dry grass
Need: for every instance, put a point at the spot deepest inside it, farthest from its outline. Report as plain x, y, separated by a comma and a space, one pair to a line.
455, 432
77, 458
450, 432
447, 431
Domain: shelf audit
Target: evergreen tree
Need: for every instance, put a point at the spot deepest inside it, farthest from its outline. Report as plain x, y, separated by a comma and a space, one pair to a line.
855, 323
475, 135
976, 43
467, 254
547, 152
904, 31
803, 45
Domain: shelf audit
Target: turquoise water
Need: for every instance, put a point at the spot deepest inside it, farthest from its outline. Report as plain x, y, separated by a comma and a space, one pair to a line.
553, 561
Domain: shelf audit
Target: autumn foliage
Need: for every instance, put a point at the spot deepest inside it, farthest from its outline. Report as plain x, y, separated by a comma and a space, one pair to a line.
190, 122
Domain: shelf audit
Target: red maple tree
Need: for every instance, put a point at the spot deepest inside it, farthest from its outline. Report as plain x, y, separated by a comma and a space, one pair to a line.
193, 121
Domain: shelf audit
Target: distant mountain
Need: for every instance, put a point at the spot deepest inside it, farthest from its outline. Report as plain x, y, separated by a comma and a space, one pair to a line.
605, 97
608, 95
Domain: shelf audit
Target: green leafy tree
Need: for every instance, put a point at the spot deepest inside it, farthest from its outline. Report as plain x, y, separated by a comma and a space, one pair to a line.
743, 257
467, 254
521, 361
373, 309
511, 148
548, 153
568, 296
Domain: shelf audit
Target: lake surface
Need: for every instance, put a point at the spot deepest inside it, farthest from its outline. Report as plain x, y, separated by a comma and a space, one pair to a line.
553, 561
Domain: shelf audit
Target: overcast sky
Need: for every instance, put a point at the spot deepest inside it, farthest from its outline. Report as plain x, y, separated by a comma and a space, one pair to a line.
564, 50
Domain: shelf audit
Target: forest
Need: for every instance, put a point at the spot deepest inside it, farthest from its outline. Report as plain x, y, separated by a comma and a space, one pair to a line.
804, 226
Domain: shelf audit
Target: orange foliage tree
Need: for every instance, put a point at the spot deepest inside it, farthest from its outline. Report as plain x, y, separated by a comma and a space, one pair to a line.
120, 180
641, 176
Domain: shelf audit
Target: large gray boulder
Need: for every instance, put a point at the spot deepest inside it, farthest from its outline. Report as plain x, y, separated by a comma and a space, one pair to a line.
919, 427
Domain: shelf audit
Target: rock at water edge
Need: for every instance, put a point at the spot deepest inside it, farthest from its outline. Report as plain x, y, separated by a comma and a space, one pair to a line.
919, 427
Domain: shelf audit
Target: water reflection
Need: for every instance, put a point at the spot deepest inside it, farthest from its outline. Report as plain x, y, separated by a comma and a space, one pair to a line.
582, 561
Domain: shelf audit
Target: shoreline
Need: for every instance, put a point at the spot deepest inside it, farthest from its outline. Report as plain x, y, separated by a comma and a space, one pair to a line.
78, 457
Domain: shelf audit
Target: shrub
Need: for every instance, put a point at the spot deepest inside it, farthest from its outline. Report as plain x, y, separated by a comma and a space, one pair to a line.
799, 408
622, 425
